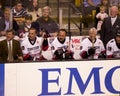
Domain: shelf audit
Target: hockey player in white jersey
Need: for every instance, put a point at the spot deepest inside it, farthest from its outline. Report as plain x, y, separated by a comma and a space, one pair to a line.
32, 46
92, 47
61, 47
113, 47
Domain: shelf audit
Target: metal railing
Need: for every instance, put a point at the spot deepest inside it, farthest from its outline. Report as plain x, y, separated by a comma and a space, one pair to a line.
58, 7
78, 13
71, 6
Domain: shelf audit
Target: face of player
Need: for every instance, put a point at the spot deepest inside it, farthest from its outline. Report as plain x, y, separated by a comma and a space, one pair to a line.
118, 39
62, 35
92, 34
9, 36
32, 34
113, 11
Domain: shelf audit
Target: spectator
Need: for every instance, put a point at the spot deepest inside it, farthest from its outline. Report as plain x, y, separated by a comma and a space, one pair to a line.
114, 2
8, 3
104, 3
113, 47
92, 3
19, 12
6, 23
1, 10
25, 27
92, 47
119, 5
35, 10
47, 23
100, 16
119, 9
89, 9
110, 25
26, 3
10, 52
32, 46
61, 47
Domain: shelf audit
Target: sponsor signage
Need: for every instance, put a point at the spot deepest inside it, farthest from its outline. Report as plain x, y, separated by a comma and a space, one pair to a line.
1, 79
65, 78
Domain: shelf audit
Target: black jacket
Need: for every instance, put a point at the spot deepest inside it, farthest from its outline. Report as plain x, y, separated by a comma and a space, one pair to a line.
108, 31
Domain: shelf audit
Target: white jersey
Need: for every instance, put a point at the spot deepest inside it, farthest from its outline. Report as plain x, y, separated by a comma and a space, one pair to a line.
112, 49
57, 45
87, 44
24, 36
31, 48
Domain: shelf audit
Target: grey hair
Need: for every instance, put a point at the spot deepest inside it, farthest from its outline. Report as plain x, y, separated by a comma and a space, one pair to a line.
93, 29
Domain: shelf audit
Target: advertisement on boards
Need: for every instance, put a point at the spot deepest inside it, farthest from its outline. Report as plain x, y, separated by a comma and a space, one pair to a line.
63, 78
1, 79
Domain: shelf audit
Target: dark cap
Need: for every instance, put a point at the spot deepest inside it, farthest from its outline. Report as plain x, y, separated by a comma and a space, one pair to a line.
28, 17
118, 33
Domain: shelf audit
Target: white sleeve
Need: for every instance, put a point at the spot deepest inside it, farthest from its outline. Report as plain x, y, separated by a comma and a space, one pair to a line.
24, 48
109, 49
83, 46
40, 40
102, 46
53, 48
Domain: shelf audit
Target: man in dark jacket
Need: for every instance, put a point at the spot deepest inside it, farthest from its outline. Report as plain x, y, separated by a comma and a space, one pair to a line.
110, 26
10, 49
47, 23
7, 22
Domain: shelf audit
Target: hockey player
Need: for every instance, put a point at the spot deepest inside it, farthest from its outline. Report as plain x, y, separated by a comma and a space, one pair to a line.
61, 47
113, 47
32, 46
92, 47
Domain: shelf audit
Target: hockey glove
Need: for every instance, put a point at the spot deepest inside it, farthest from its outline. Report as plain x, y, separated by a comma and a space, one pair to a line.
91, 51
59, 53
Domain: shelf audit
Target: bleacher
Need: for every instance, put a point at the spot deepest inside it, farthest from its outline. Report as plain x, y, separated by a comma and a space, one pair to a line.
64, 7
